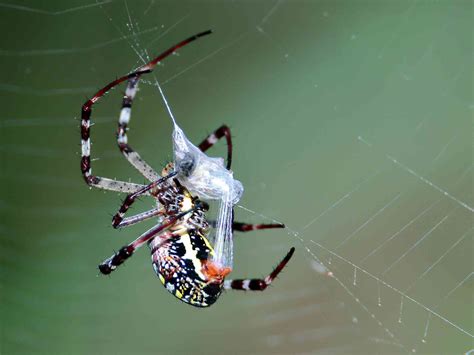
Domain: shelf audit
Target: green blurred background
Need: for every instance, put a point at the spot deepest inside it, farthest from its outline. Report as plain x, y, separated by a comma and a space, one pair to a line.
298, 82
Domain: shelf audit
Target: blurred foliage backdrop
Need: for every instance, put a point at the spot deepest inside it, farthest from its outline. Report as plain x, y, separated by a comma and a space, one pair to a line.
298, 82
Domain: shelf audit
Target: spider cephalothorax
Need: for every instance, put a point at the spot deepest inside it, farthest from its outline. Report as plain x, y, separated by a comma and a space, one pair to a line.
182, 255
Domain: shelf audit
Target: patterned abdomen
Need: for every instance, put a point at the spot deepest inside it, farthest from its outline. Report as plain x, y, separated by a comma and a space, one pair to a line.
179, 262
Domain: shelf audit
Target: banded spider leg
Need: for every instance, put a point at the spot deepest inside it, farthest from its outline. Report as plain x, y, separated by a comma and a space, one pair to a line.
246, 227
210, 140
244, 284
111, 263
118, 220
132, 157
207, 143
258, 284
122, 139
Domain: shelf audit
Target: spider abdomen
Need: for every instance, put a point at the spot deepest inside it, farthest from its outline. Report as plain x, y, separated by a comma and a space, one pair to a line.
180, 262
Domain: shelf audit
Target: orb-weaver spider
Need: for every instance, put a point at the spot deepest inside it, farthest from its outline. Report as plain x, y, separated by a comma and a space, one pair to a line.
179, 245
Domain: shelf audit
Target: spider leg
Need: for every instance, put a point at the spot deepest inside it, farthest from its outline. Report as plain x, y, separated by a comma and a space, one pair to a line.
118, 221
92, 180
122, 139
111, 263
245, 227
128, 221
105, 183
222, 131
258, 284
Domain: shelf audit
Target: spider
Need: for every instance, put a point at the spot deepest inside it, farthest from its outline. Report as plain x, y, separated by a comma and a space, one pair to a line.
180, 249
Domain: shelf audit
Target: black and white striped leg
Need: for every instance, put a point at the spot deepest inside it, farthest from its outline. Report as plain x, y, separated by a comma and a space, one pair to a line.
246, 227
118, 219
105, 183
258, 284
96, 181
128, 221
122, 139
212, 139
110, 264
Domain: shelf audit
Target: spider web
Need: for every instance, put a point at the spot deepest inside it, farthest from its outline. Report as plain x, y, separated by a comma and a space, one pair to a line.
371, 171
